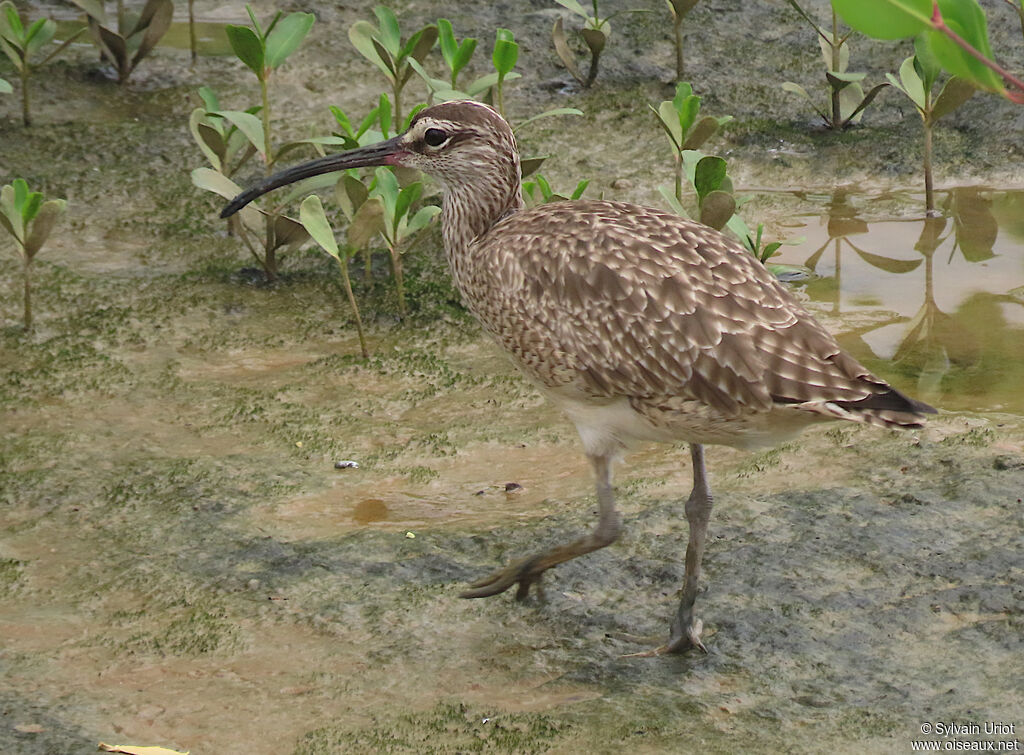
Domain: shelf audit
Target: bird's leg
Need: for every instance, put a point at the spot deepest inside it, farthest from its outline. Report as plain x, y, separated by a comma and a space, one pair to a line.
685, 628
527, 571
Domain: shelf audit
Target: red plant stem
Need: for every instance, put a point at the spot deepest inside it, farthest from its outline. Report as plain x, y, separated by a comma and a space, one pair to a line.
939, 25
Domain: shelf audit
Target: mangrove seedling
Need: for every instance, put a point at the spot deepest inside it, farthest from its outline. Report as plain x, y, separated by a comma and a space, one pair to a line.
399, 221
679, 9
281, 233
595, 33
917, 77
717, 207
224, 144
504, 57
134, 38
488, 87
382, 45
847, 99
1018, 6
956, 31
352, 195
20, 44
456, 54
364, 224
263, 52
539, 191
679, 118
360, 136
29, 219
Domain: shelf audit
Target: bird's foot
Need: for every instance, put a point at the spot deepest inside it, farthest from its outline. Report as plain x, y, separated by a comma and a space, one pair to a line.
679, 642
525, 572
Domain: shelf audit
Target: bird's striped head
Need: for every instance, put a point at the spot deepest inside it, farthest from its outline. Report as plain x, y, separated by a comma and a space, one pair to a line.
463, 144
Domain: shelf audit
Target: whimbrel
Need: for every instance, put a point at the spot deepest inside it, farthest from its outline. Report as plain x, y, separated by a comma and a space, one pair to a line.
639, 324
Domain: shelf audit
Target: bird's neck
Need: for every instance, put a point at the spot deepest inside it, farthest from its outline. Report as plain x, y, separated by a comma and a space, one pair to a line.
469, 211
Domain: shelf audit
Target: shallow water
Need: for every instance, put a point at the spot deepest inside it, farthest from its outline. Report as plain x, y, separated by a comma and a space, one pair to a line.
937, 303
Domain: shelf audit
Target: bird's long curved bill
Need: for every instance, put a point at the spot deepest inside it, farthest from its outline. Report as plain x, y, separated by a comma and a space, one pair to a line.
382, 153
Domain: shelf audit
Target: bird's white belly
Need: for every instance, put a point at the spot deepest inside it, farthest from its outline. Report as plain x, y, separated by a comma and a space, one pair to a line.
611, 426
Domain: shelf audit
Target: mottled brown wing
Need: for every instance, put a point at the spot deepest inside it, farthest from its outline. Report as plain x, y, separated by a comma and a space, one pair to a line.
629, 301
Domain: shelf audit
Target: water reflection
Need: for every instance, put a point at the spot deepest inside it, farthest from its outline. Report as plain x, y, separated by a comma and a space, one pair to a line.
934, 304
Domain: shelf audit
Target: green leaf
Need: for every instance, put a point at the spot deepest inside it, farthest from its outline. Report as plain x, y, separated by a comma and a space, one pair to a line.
885, 19
209, 98
928, 64
716, 208
248, 124
288, 232
93, 9
968, 21
703, 130
563, 52
10, 213
20, 194
406, 197
446, 40
286, 37
912, 84
361, 35
506, 52
530, 165
580, 188
5, 87
596, 39
247, 47
367, 223
313, 219
548, 114
210, 141
669, 120
954, 94
47, 217
156, 19
422, 218
31, 206
708, 175
350, 193
687, 112
389, 34
41, 32
420, 43
315, 183
218, 183
575, 7
10, 24
384, 114
342, 120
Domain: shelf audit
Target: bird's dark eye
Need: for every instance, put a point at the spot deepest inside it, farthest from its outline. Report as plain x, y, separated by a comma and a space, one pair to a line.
435, 137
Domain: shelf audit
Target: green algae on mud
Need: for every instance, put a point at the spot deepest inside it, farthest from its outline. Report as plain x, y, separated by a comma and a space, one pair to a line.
181, 564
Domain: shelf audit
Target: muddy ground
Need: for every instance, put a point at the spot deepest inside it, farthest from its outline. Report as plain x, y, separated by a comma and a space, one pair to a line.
181, 564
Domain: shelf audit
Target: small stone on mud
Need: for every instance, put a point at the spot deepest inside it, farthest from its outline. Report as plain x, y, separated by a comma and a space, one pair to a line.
512, 487
346, 464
